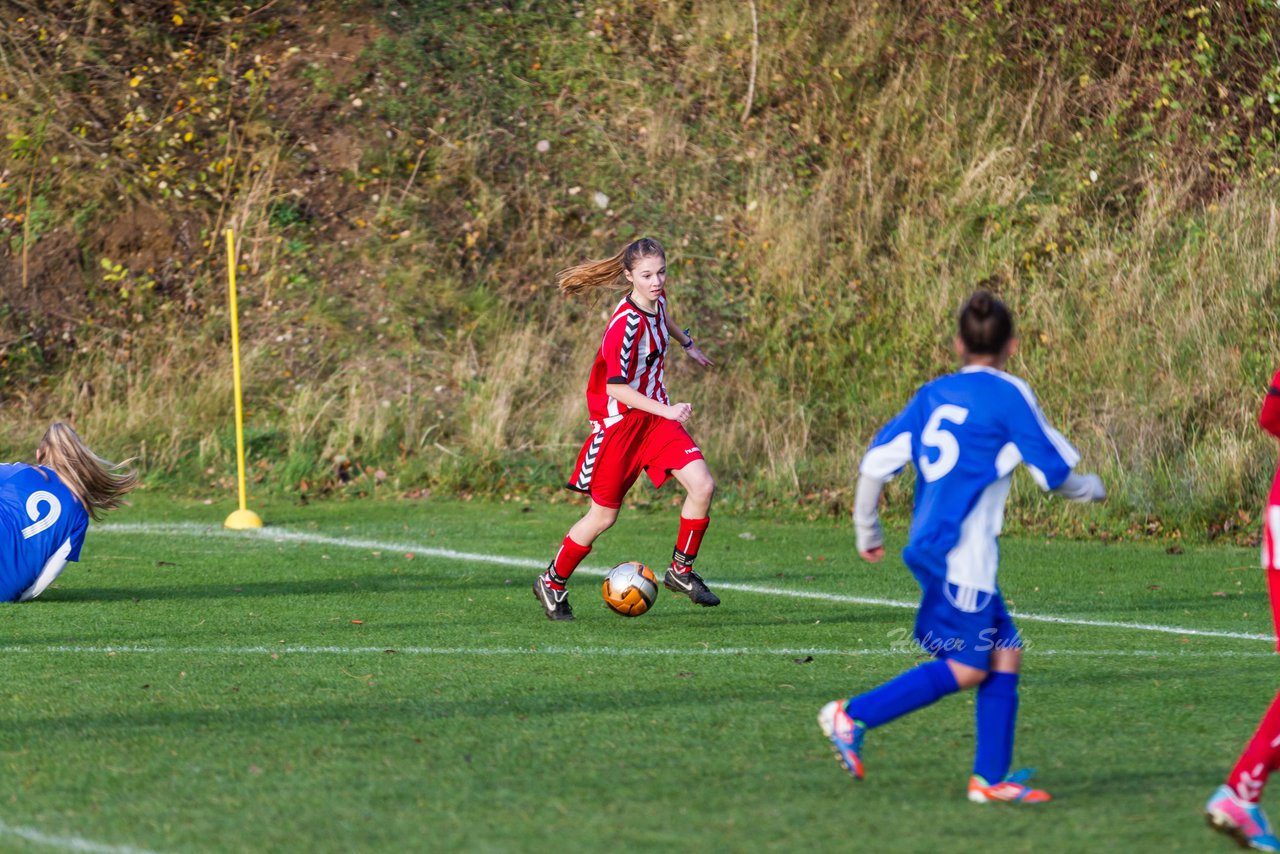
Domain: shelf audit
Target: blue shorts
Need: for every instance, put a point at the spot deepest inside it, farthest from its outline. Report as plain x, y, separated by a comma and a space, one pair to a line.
961, 624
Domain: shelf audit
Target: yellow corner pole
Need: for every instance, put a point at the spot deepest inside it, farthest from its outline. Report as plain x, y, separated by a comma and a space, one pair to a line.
244, 517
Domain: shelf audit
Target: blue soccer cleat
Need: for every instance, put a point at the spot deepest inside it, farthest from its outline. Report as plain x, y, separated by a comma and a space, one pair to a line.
845, 735
1242, 821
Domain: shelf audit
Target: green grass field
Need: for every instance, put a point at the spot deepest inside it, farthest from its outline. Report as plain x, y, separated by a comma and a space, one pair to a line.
377, 677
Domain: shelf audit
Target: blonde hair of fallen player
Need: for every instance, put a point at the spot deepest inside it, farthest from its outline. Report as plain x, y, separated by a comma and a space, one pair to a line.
99, 484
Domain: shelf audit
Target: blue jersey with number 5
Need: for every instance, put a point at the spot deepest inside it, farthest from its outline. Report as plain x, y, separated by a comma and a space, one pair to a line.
965, 433
42, 526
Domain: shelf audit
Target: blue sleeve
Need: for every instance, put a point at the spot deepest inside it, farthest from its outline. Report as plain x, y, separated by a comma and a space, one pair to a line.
1047, 454
890, 450
77, 537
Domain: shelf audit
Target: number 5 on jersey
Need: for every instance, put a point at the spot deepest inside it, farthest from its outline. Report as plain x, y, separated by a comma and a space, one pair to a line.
941, 440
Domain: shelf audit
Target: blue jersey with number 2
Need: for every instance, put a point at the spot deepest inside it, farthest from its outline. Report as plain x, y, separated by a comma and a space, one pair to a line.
965, 433
42, 526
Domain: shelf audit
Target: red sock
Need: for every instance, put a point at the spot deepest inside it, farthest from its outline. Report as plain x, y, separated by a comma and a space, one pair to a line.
1261, 756
564, 563
687, 543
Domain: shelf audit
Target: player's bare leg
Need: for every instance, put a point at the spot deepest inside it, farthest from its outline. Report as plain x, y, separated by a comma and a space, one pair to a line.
699, 487
598, 520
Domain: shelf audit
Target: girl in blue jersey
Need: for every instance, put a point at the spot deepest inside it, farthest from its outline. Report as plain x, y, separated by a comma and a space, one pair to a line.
964, 433
45, 510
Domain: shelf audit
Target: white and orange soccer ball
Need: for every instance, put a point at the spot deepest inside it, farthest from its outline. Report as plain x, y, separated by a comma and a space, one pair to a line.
630, 588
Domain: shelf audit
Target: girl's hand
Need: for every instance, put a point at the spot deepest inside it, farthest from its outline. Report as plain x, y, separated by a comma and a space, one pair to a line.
681, 412
873, 555
698, 356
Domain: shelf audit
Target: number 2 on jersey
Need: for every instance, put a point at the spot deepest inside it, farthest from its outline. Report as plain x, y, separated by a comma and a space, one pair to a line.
942, 440
38, 522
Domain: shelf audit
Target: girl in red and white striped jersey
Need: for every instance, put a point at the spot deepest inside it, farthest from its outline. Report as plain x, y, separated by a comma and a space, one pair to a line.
634, 425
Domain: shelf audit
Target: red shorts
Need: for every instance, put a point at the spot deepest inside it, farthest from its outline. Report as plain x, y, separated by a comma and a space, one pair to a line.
611, 459
1271, 561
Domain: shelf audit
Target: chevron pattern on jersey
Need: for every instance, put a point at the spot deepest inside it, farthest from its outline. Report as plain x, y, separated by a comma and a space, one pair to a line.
629, 344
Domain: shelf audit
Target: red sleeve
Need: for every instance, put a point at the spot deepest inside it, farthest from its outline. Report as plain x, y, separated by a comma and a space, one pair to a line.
1269, 418
618, 348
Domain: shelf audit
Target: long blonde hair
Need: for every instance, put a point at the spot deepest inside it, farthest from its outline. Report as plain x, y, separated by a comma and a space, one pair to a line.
99, 484
607, 273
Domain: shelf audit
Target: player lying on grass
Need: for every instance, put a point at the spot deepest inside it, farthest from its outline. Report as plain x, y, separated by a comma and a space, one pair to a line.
634, 425
964, 433
45, 509
1234, 808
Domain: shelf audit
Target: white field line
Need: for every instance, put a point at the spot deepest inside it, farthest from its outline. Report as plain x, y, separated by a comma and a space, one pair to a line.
612, 652
66, 843
281, 535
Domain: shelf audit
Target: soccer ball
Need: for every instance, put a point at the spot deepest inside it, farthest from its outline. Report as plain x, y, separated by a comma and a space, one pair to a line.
630, 588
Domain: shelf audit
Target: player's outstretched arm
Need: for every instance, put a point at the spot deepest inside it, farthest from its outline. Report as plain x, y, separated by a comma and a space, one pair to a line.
1082, 488
866, 518
685, 340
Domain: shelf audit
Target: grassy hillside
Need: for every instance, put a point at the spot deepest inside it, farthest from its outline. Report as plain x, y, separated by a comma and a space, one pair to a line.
829, 181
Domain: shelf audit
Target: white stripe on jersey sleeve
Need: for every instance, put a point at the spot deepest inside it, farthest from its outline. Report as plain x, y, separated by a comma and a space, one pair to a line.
1064, 448
883, 462
1069, 454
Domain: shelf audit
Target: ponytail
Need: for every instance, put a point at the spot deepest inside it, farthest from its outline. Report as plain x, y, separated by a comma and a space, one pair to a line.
99, 484
607, 273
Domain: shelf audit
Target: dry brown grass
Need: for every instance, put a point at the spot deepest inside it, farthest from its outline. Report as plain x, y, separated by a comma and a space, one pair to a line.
819, 250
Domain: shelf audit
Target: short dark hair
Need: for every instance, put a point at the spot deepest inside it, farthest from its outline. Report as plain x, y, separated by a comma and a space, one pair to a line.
985, 323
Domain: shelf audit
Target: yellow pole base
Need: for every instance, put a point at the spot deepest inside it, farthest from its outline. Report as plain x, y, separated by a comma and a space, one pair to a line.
242, 519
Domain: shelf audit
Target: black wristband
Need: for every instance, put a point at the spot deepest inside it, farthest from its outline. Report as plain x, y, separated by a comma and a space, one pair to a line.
689, 343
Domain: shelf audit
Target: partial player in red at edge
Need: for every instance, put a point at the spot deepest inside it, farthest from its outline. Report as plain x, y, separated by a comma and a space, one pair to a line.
1234, 807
